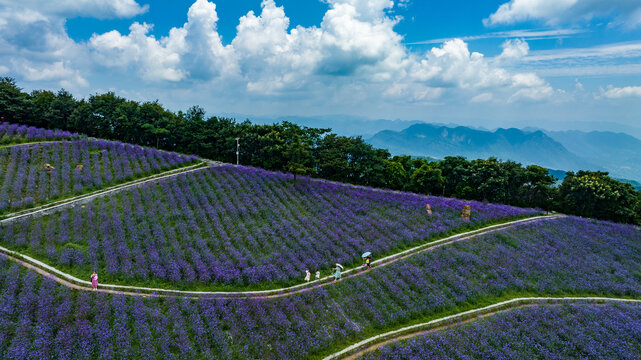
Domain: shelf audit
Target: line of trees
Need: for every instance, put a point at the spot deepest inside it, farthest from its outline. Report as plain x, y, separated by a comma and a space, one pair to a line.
319, 153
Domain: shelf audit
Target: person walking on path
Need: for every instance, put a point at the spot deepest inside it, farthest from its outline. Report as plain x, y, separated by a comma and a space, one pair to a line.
337, 273
94, 280
308, 275
317, 275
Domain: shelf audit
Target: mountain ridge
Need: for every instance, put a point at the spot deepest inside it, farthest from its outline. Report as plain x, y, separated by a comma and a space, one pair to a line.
507, 144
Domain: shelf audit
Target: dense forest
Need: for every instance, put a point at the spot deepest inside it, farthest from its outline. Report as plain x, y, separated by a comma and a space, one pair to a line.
319, 153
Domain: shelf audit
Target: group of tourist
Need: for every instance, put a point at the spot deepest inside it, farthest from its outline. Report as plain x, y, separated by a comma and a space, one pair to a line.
338, 268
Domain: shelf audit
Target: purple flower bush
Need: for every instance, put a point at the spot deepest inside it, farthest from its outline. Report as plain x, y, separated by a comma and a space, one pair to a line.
75, 167
564, 256
582, 331
18, 134
239, 226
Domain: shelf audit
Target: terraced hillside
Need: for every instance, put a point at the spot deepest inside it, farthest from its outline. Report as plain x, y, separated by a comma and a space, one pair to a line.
37, 173
576, 331
548, 258
237, 226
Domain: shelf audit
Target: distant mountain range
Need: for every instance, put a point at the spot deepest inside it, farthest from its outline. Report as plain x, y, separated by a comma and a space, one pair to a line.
507, 144
617, 153
345, 125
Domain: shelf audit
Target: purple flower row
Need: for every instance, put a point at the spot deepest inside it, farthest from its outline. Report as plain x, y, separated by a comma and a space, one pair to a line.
555, 257
236, 225
35, 173
582, 331
16, 133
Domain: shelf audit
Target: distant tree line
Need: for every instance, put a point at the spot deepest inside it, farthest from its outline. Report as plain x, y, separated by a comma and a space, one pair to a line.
320, 153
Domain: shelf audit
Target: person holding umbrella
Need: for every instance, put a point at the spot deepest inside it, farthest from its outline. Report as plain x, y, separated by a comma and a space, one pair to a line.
337, 272
367, 259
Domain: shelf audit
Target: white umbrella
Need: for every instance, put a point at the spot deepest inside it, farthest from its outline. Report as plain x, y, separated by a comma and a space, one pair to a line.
340, 266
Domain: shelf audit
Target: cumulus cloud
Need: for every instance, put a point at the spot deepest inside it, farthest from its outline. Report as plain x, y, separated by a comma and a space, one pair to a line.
554, 12
59, 72
617, 93
155, 60
35, 42
194, 50
514, 49
355, 41
91, 8
354, 49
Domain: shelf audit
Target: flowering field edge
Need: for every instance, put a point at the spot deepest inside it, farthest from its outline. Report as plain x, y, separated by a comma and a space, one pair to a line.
51, 205
471, 312
74, 275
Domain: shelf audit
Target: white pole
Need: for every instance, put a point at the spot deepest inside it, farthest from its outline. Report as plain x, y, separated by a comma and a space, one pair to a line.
237, 151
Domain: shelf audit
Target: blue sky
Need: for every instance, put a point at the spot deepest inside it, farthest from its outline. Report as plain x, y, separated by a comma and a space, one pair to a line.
548, 63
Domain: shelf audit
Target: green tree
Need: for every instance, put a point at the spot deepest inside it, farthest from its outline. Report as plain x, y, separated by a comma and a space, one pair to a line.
298, 156
427, 179
14, 104
488, 180
155, 131
395, 175
455, 170
537, 188
332, 157
595, 194
366, 163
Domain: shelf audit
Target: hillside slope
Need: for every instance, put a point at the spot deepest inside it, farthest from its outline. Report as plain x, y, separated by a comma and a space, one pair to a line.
564, 256
238, 226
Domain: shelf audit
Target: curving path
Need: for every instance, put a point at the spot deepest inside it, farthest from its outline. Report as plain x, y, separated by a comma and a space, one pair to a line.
368, 345
78, 284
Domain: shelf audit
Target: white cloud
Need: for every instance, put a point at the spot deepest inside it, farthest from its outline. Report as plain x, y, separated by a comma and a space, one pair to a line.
195, 50
630, 49
453, 65
611, 59
155, 60
483, 97
91, 8
514, 50
58, 71
3, 70
355, 44
354, 50
617, 93
555, 12
532, 34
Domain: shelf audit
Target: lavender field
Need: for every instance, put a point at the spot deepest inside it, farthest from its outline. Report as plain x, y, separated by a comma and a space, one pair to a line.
586, 331
32, 174
18, 134
563, 256
237, 226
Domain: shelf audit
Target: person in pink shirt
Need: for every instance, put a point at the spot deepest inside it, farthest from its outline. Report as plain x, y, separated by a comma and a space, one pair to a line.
94, 280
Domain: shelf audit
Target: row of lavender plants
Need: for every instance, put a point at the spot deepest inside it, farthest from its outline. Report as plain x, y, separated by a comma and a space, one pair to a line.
31, 174
238, 226
17, 134
555, 257
586, 331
